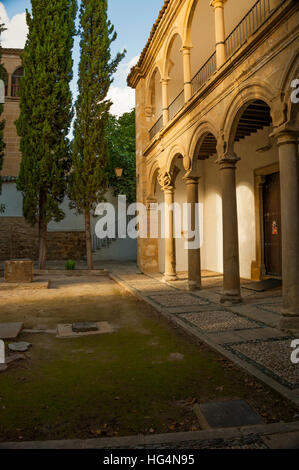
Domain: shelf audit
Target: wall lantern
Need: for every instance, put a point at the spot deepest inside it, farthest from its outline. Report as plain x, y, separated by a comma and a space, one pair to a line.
118, 173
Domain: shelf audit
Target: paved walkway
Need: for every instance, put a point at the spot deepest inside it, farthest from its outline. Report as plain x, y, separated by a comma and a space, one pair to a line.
271, 436
247, 334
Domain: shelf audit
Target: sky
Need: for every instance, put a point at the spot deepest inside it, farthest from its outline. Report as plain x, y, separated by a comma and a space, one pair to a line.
133, 21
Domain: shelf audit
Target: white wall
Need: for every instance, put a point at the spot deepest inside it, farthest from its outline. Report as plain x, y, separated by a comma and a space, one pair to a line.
212, 251
119, 250
12, 200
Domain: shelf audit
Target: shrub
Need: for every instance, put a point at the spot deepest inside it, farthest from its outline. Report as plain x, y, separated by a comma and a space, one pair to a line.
70, 265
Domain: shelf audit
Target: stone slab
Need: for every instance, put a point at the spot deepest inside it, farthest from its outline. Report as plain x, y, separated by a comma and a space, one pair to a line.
285, 441
66, 331
229, 414
85, 327
35, 285
19, 347
17, 271
10, 330
262, 286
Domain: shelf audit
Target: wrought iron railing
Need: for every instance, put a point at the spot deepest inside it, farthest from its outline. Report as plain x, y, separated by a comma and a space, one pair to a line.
248, 26
156, 128
204, 73
176, 105
251, 22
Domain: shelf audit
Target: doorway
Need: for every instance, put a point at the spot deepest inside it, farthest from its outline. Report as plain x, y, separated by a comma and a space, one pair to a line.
272, 225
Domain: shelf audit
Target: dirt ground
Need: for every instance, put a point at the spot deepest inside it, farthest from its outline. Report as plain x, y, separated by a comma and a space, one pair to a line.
144, 378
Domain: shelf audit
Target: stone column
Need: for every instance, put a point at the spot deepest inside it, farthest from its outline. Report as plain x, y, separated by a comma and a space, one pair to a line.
231, 267
287, 142
218, 6
165, 101
166, 182
187, 72
194, 264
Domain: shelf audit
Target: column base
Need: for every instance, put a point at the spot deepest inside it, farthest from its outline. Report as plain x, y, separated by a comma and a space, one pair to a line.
193, 285
231, 298
289, 323
170, 277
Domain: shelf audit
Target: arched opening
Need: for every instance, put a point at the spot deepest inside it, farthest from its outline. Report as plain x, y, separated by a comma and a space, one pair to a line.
155, 95
15, 81
209, 196
201, 34
175, 73
258, 191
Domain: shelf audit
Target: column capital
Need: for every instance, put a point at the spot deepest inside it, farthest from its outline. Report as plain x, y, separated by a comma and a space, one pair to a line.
217, 3
186, 50
228, 160
166, 181
164, 81
286, 134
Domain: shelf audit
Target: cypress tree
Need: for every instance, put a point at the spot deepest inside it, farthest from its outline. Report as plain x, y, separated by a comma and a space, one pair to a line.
2, 123
88, 179
46, 113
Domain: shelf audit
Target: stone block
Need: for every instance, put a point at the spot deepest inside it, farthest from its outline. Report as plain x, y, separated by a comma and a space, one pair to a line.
18, 271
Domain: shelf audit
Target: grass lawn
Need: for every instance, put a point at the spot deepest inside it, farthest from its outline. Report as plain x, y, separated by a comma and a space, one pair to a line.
142, 379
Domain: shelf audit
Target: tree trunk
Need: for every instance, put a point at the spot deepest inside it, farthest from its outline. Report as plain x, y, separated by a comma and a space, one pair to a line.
42, 233
88, 240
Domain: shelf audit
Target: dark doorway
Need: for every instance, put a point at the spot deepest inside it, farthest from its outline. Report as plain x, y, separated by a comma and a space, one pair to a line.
272, 225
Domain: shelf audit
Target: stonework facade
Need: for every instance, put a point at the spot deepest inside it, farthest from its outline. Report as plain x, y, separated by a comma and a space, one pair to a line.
214, 106
17, 238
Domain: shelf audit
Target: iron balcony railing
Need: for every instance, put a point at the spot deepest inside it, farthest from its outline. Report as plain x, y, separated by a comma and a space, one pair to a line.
176, 105
156, 128
204, 73
248, 26
251, 22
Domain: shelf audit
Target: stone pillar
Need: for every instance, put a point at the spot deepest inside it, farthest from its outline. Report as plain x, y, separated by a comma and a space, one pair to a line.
287, 142
218, 6
166, 181
231, 267
165, 101
194, 264
9, 85
187, 73
170, 255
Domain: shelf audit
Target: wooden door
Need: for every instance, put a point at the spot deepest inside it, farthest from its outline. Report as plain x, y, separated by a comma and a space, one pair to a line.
272, 225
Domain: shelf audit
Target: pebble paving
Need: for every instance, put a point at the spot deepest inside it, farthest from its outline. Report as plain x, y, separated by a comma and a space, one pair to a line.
212, 321
273, 357
177, 299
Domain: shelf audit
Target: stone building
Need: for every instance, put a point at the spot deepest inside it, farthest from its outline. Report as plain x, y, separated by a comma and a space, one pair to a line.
66, 240
218, 124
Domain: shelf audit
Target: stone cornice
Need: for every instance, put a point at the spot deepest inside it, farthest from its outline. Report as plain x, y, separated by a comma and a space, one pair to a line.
9, 51
153, 44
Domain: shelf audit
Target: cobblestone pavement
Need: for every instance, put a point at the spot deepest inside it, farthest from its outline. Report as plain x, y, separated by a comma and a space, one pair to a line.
247, 334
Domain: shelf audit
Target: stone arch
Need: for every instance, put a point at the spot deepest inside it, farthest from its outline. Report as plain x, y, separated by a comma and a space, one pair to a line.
152, 181
174, 152
202, 130
174, 33
292, 73
150, 89
242, 99
188, 23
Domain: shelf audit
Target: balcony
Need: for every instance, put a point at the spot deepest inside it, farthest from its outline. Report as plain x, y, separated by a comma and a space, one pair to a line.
251, 22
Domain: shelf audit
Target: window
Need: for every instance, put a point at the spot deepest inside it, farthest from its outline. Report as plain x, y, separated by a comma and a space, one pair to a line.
15, 81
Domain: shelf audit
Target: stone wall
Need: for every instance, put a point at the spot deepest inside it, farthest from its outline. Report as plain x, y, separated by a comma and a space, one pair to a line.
19, 240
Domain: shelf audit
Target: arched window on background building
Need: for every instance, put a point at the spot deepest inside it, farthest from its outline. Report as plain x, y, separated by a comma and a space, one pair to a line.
15, 81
